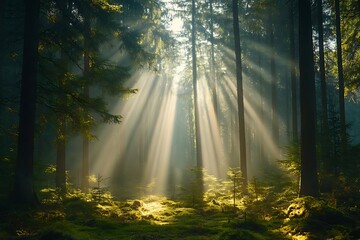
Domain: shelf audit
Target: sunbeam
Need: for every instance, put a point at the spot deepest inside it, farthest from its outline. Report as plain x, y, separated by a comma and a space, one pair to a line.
213, 152
142, 144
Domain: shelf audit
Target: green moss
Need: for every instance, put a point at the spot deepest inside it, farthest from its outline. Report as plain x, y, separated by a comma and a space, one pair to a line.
252, 225
241, 234
78, 217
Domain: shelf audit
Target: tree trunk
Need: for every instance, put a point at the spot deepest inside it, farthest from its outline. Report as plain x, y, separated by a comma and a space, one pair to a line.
341, 84
324, 111
262, 156
212, 65
85, 157
195, 87
240, 100
23, 191
199, 161
85, 164
274, 104
60, 178
294, 103
308, 176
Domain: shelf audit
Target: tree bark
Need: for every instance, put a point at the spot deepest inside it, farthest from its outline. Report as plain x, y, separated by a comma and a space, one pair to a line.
199, 162
23, 191
324, 111
294, 104
212, 65
60, 178
308, 175
274, 104
240, 100
86, 144
341, 83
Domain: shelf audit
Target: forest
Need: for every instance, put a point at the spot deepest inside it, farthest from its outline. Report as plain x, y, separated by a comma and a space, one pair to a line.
180, 119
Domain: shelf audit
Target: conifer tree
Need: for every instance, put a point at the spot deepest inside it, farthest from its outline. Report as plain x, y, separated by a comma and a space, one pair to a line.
23, 191
308, 177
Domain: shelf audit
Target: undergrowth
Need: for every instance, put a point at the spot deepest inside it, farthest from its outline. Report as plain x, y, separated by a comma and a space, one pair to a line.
262, 213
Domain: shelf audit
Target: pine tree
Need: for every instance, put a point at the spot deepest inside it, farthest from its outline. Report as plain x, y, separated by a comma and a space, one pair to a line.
308, 178
23, 191
239, 81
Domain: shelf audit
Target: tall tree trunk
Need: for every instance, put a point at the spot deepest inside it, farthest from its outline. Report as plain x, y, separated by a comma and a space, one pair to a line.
308, 176
195, 87
86, 145
199, 161
324, 111
262, 115
240, 100
212, 65
294, 103
274, 104
341, 83
23, 191
60, 178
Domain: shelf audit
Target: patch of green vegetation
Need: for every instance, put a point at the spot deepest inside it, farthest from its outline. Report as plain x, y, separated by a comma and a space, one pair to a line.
315, 218
261, 212
240, 234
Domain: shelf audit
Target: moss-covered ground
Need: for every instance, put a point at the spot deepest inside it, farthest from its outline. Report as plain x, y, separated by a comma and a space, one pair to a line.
78, 217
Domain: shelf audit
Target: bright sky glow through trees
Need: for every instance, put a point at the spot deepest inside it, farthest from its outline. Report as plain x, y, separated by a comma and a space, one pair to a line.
152, 150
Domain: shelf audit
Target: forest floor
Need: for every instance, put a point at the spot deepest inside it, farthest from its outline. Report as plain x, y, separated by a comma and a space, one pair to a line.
78, 218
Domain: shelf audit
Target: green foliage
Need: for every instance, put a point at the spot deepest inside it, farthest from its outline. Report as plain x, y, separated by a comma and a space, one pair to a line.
79, 216
350, 21
102, 30
316, 219
193, 192
99, 192
291, 161
234, 175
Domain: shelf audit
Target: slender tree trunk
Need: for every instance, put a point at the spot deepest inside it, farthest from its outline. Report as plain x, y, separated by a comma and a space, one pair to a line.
324, 111
23, 191
85, 162
294, 103
240, 100
308, 176
212, 65
341, 84
274, 104
199, 162
86, 145
262, 116
60, 178
195, 87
